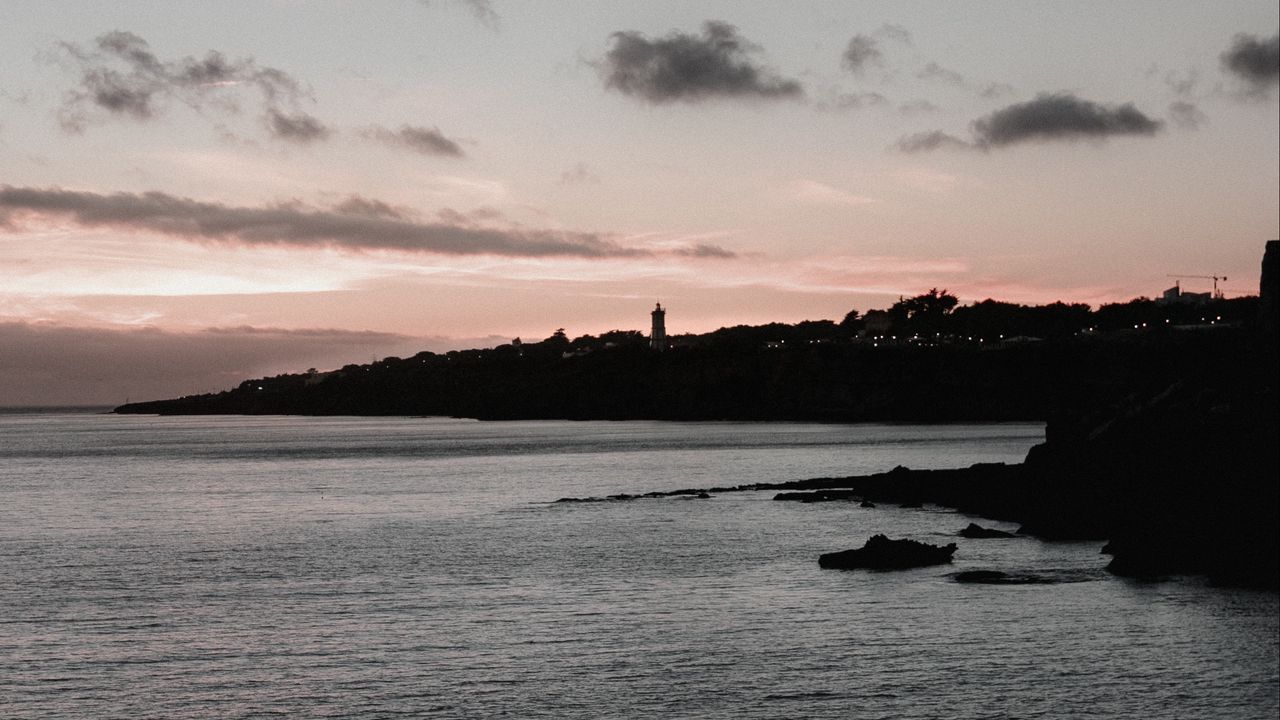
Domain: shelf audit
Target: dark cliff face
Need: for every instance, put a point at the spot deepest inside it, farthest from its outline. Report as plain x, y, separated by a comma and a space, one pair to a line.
1269, 295
1181, 479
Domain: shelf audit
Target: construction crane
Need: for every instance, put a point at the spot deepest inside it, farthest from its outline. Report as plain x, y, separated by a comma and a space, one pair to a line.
1217, 294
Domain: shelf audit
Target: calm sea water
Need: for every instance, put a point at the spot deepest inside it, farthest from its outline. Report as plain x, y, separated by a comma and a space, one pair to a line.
233, 567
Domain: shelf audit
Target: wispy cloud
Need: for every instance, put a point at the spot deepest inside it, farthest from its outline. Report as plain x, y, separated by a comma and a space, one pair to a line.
120, 76
836, 101
897, 33
422, 140
934, 71
579, 174
861, 53
481, 10
814, 192
691, 68
1186, 114
928, 141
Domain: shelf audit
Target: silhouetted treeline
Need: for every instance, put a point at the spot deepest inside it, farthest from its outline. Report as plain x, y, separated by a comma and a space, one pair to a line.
936, 316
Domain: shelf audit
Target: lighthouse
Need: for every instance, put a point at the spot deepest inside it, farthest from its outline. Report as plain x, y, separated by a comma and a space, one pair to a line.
658, 338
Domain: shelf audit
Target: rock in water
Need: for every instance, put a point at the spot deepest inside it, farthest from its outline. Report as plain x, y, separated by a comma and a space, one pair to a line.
1042, 577
881, 553
977, 531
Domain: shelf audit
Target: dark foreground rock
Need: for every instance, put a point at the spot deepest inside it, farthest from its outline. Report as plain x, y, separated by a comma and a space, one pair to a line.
882, 553
977, 532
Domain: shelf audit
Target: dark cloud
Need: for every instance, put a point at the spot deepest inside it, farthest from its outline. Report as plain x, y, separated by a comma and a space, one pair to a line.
927, 141
63, 365
1060, 117
1254, 60
934, 71
357, 224
1049, 117
423, 140
861, 52
704, 250
297, 127
120, 76
691, 68
1186, 115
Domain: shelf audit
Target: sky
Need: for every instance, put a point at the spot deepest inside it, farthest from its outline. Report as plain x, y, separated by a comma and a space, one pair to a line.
193, 193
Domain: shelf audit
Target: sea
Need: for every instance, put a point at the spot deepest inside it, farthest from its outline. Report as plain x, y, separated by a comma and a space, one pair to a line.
255, 567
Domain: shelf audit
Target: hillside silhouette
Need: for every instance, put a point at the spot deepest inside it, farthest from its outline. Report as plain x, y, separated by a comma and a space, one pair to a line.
923, 359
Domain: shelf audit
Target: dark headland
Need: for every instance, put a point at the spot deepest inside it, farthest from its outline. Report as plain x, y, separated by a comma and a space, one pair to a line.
1162, 438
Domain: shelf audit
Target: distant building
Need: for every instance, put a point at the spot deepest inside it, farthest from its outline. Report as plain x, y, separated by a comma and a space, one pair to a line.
1175, 296
658, 337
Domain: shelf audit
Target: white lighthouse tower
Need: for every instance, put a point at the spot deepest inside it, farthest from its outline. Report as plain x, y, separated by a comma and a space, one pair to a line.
658, 338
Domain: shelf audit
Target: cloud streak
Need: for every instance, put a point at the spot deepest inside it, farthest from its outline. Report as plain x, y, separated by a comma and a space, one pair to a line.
934, 71
691, 68
356, 224
929, 141
1049, 117
422, 140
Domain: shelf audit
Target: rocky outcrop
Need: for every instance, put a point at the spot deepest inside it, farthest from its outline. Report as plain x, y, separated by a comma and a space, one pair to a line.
976, 532
882, 553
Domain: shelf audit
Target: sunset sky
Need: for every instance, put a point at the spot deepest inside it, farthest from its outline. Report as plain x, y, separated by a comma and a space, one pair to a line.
195, 193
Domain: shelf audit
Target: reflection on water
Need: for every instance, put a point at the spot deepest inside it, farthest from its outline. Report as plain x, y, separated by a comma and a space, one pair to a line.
233, 567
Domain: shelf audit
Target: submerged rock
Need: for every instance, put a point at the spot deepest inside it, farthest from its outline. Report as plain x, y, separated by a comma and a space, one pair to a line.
881, 553
976, 531
1044, 577
867, 504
